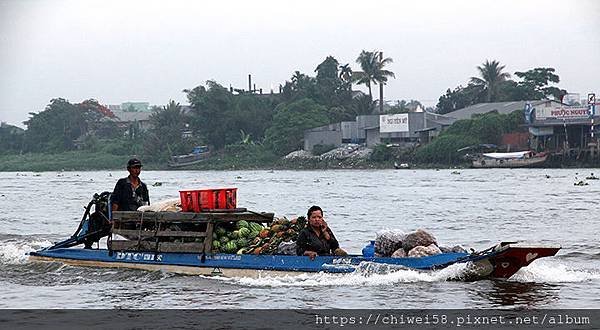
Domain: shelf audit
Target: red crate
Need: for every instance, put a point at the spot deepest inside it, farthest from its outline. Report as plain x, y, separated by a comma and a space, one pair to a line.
208, 199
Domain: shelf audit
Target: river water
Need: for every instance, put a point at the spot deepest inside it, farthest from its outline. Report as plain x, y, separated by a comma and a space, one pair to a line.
473, 208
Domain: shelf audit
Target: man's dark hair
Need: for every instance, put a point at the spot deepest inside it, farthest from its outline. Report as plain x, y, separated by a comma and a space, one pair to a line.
312, 209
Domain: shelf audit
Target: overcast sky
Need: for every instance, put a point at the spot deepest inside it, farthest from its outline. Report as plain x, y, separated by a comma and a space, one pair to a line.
119, 51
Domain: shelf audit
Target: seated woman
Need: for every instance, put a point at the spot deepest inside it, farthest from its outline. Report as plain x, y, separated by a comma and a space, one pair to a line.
316, 238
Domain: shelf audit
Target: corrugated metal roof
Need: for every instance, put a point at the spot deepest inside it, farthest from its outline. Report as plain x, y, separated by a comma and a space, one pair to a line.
501, 107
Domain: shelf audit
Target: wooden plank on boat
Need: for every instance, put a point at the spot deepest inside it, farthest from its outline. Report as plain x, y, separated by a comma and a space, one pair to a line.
162, 233
192, 247
208, 241
238, 210
137, 216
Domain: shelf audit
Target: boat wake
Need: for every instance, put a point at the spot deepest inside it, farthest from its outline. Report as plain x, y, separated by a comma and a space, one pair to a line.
552, 271
14, 248
370, 274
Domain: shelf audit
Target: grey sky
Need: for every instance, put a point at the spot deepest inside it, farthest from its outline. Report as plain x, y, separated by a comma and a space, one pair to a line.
118, 51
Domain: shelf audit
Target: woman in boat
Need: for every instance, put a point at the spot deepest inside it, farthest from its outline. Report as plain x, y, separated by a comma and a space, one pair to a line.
317, 238
130, 192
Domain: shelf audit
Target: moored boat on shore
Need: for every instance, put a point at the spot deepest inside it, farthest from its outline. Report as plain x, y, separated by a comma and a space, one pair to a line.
197, 155
509, 159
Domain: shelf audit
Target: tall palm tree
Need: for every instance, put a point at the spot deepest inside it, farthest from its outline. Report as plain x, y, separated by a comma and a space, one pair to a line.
372, 65
491, 76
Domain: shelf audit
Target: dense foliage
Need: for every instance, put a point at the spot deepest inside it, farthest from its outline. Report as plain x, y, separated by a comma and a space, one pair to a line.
289, 123
494, 85
486, 128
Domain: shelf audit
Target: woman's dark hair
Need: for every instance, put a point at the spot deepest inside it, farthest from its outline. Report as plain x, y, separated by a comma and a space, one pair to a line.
312, 209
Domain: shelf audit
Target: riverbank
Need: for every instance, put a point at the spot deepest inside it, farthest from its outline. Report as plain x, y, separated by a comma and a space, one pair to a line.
83, 160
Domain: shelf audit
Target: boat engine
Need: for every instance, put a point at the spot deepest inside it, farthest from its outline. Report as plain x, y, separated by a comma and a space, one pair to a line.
94, 224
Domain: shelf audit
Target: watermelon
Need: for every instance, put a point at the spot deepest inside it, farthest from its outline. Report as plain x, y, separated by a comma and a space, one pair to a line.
220, 231
241, 242
230, 247
224, 240
216, 245
244, 232
256, 226
242, 224
236, 234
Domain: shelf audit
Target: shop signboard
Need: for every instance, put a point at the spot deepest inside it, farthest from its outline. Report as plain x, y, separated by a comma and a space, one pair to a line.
562, 113
393, 123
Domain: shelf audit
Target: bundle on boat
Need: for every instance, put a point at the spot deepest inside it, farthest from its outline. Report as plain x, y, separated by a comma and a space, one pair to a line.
420, 243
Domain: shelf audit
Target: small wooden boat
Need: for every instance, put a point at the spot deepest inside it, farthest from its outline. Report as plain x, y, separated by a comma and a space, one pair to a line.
182, 242
501, 261
401, 166
197, 155
509, 159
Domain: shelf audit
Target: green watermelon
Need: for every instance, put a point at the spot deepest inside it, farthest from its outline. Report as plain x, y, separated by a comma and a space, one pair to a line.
230, 247
224, 240
245, 232
220, 231
236, 234
242, 224
241, 242
216, 245
256, 226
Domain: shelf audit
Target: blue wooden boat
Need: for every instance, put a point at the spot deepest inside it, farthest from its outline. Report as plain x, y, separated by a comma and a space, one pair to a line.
501, 261
159, 249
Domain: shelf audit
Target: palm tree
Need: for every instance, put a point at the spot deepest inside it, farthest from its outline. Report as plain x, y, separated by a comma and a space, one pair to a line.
372, 64
491, 76
345, 72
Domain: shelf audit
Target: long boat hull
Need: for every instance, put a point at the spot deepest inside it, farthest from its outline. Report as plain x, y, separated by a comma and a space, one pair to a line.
501, 262
509, 163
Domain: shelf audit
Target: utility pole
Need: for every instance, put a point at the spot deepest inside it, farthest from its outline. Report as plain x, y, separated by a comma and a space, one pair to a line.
250, 83
381, 87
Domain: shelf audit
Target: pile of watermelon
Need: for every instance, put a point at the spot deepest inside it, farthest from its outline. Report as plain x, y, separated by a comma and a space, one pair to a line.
243, 237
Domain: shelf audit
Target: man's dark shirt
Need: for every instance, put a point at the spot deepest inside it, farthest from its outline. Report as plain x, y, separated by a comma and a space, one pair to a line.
126, 198
309, 241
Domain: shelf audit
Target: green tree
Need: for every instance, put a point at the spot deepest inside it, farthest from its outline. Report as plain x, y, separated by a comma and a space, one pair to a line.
535, 82
301, 86
289, 123
490, 78
373, 71
55, 128
459, 98
11, 138
212, 113
253, 115
164, 138
346, 73
219, 115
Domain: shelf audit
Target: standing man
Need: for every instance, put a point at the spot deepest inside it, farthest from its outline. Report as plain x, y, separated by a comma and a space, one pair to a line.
130, 192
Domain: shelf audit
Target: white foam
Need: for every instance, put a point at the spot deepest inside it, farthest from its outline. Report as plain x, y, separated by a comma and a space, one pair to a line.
15, 252
553, 271
361, 277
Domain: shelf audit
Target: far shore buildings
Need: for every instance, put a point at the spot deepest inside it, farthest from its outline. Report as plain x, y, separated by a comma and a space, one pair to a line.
405, 129
550, 126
